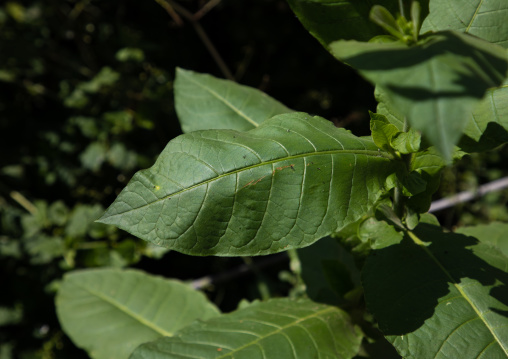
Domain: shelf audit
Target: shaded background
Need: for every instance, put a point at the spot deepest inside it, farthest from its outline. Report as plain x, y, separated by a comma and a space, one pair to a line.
86, 101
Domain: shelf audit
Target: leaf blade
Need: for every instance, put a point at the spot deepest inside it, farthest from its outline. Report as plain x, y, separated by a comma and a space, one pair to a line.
279, 328
204, 102
436, 84
488, 126
286, 184
485, 19
92, 303
445, 297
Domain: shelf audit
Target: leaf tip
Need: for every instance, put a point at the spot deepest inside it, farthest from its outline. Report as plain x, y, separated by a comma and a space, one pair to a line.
105, 218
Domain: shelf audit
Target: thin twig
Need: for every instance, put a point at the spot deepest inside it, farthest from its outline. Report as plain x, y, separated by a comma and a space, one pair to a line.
24, 202
469, 195
206, 8
243, 269
169, 9
202, 35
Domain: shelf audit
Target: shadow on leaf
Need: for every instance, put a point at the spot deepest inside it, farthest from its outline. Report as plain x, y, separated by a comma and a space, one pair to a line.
407, 284
494, 135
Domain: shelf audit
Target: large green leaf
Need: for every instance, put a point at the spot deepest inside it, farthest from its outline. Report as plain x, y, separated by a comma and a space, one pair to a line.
435, 84
204, 102
285, 184
495, 234
276, 329
488, 126
487, 19
331, 20
440, 295
109, 312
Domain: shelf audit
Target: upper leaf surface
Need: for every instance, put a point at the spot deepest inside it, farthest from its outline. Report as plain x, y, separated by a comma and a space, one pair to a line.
109, 312
493, 233
331, 20
204, 102
444, 298
486, 19
285, 184
488, 125
276, 329
436, 84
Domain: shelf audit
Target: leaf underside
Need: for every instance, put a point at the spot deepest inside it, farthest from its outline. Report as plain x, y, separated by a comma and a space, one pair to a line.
436, 84
109, 312
286, 184
444, 299
279, 328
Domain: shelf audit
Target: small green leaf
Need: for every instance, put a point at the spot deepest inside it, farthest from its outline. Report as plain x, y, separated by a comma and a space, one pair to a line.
379, 233
278, 328
412, 183
440, 295
109, 312
286, 184
412, 218
43, 249
382, 17
416, 12
387, 213
428, 164
204, 102
407, 142
130, 54
382, 131
436, 84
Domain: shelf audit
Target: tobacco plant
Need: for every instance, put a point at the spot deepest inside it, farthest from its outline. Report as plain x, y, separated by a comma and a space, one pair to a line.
252, 177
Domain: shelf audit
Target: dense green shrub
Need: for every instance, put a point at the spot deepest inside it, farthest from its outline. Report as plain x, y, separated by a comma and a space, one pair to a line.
368, 265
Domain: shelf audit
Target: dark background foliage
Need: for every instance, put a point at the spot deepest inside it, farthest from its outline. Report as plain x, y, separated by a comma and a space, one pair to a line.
86, 100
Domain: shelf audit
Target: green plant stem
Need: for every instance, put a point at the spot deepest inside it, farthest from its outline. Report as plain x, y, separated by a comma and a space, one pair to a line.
263, 289
398, 201
401, 7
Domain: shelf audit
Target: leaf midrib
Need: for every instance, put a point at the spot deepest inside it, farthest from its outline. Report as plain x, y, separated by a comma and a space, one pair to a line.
127, 311
254, 342
226, 102
474, 17
330, 152
422, 245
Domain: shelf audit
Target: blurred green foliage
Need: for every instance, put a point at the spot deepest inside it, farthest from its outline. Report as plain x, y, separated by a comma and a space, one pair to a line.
86, 100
